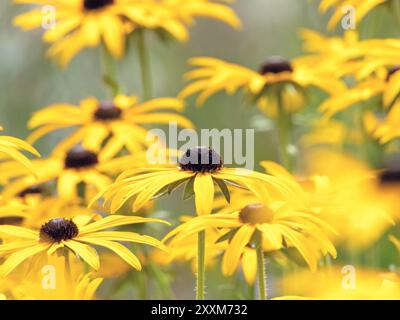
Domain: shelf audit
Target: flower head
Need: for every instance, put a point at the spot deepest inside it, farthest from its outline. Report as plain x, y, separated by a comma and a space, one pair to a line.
200, 168
78, 234
107, 127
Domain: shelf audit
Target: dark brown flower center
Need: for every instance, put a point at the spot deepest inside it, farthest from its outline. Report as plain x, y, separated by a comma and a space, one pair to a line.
256, 213
389, 177
276, 65
96, 4
107, 111
58, 229
30, 190
80, 158
392, 71
201, 159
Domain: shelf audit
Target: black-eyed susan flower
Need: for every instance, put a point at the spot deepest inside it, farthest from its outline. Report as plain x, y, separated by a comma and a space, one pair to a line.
78, 235
10, 148
383, 127
213, 75
201, 168
69, 169
279, 89
107, 127
59, 280
353, 201
361, 9
341, 283
383, 84
79, 24
263, 227
32, 207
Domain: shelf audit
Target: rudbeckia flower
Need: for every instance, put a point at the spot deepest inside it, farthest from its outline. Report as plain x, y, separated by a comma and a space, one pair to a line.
384, 84
384, 128
69, 169
10, 149
334, 283
107, 127
78, 235
59, 281
277, 225
32, 207
361, 9
290, 78
78, 24
201, 168
353, 201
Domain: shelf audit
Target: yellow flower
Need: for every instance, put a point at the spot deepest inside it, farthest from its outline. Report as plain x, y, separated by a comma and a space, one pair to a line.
201, 168
354, 201
187, 10
32, 207
361, 9
330, 132
107, 126
10, 149
56, 281
336, 283
213, 75
276, 224
79, 24
384, 83
71, 170
175, 16
78, 235
384, 128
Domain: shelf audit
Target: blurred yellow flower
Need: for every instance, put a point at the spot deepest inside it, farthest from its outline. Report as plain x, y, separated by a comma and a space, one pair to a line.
353, 200
70, 169
384, 128
334, 283
107, 127
361, 9
78, 234
213, 75
72, 25
277, 225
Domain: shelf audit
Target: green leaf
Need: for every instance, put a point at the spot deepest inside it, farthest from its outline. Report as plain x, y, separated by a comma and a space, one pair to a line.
189, 189
224, 189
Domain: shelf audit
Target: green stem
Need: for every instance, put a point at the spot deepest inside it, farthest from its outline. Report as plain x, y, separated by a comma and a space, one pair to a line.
144, 65
109, 72
201, 268
261, 271
284, 126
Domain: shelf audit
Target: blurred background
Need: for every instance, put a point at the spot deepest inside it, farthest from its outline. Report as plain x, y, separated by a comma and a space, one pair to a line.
29, 81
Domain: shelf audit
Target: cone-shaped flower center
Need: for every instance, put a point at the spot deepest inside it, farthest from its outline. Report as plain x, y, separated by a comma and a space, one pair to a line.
30, 190
256, 213
276, 65
96, 4
80, 158
392, 71
201, 159
107, 111
390, 176
58, 229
